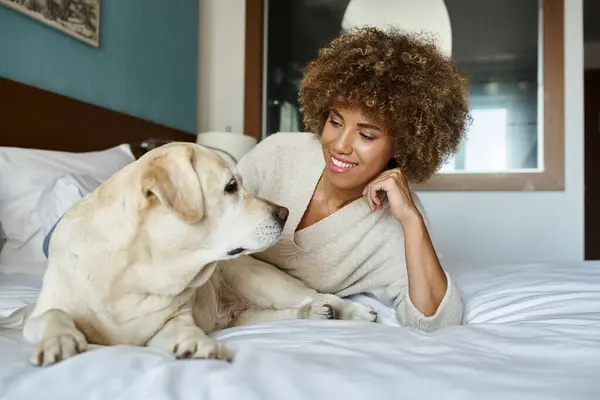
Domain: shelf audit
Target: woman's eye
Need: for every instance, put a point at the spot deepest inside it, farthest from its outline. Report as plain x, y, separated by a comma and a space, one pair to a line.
366, 137
333, 122
231, 187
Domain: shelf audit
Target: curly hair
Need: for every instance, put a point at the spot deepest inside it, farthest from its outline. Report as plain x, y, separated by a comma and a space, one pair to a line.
398, 79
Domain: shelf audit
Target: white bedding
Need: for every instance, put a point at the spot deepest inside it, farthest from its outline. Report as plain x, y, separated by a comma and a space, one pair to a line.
531, 332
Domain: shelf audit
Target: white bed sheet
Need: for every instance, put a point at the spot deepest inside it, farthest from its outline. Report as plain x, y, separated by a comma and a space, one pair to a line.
533, 332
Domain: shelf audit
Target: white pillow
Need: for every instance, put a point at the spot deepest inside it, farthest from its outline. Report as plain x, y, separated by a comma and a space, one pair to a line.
549, 293
60, 195
25, 173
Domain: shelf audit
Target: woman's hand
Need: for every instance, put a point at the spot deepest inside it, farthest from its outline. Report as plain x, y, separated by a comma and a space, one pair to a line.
393, 184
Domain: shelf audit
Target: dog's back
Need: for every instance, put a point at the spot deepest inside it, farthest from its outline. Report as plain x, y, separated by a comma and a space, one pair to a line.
96, 251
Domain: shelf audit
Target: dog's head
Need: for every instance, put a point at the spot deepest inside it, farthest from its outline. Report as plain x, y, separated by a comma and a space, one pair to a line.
194, 201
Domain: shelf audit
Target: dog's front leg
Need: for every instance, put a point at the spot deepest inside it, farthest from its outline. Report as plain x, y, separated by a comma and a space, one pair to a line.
265, 286
181, 336
55, 337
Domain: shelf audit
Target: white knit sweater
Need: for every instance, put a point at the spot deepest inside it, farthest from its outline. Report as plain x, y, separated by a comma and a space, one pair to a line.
353, 251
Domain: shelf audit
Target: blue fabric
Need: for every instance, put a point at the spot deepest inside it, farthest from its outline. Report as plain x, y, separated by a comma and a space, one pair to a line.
46, 242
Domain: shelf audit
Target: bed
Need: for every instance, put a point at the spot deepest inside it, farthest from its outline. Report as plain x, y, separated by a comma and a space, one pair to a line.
531, 331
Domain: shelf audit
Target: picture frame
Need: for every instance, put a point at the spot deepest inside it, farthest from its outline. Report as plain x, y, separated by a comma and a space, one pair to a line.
79, 19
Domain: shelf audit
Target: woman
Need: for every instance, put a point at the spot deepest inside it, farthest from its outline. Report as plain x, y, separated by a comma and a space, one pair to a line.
385, 109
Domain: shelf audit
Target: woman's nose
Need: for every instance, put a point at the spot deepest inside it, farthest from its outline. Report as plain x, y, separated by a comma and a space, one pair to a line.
343, 144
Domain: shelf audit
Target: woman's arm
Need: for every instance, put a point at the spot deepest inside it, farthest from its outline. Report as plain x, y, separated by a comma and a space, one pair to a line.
426, 298
427, 283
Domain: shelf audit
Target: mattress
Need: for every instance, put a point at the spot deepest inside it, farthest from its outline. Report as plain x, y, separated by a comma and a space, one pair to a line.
531, 332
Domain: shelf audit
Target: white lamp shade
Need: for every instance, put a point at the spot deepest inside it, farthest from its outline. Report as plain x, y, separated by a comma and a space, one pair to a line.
426, 16
232, 146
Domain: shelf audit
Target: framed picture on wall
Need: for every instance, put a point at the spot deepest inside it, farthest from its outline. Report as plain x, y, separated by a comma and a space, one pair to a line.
77, 18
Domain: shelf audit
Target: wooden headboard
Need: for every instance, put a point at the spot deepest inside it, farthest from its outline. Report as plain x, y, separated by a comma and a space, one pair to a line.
35, 118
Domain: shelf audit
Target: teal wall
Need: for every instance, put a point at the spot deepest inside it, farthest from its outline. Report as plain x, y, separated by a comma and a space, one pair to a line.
146, 65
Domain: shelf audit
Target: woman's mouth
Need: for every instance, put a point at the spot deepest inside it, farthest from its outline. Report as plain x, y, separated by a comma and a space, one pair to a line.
339, 166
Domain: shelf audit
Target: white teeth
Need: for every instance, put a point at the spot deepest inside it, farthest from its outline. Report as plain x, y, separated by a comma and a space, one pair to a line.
340, 164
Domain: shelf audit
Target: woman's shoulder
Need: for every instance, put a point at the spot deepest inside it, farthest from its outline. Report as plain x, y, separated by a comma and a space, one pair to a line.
284, 148
289, 142
277, 153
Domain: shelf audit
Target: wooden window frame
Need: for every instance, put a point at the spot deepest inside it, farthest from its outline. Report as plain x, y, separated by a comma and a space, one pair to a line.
550, 178
253, 74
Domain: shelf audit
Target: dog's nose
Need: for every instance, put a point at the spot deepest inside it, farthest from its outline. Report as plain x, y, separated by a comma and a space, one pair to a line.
281, 214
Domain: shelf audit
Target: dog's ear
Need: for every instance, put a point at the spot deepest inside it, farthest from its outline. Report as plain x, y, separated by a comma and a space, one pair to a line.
172, 180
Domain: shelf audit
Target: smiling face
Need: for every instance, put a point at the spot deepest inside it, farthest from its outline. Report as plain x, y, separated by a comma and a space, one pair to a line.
355, 148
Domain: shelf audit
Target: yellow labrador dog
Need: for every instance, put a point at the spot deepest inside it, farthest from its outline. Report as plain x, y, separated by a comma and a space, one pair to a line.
135, 262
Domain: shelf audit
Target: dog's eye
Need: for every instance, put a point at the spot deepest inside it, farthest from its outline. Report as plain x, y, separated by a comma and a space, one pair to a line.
231, 187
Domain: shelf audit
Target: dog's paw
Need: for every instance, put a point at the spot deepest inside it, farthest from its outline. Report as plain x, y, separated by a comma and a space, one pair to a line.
351, 310
58, 347
202, 347
317, 310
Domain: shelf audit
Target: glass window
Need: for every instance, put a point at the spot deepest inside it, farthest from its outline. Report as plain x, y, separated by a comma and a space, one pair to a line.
495, 43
